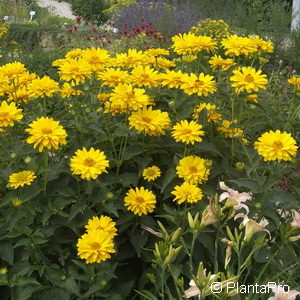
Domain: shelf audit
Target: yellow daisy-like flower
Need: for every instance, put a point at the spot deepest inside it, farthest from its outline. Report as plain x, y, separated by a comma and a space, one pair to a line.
151, 173
163, 63
248, 79
189, 43
187, 132
295, 80
102, 223
16, 202
188, 58
131, 59
156, 52
95, 246
276, 146
144, 76
89, 164
42, 87
13, 70
75, 71
201, 85
125, 97
230, 132
103, 97
9, 113
97, 58
237, 45
193, 169
252, 98
261, 45
21, 178
74, 54
46, 133
113, 77
217, 61
67, 91
187, 192
172, 79
21, 95
212, 115
152, 122
140, 201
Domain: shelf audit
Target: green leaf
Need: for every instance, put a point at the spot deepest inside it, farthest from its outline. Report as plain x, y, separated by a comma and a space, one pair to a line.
7, 252
132, 151
128, 179
167, 179
71, 286
208, 147
146, 294
248, 183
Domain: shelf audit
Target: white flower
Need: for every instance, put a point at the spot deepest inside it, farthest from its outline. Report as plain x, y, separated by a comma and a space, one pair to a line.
296, 219
192, 291
5, 18
251, 226
282, 294
32, 13
234, 198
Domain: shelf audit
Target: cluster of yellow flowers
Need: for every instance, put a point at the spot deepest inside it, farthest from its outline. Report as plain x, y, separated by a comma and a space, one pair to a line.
97, 243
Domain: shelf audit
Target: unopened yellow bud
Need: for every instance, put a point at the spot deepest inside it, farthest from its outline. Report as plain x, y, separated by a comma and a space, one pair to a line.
3, 271
16, 202
175, 235
27, 159
240, 166
109, 195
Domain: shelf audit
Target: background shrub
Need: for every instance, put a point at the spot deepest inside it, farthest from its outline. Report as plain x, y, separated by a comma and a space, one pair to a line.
90, 10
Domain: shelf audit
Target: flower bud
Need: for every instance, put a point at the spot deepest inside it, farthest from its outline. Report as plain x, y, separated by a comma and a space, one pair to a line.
3, 271
13, 155
109, 195
294, 238
240, 166
16, 202
175, 235
27, 159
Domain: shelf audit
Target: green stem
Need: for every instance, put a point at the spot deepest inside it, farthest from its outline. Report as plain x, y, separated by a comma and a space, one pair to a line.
195, 235
45, 170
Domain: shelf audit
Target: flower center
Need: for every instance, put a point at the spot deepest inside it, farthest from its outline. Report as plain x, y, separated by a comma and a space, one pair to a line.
277, 145
95, 246
186, 131
4, 114
46, 131
200, 82
89, 162
249, 78
140, 200
146, 119
151, 172
193, 169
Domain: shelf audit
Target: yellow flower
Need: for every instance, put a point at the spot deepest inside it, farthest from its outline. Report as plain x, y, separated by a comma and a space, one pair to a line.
95, 246
3, 271
261, 45
97, 58
140, 201
21, 178
131, 59
144, 76
188, 58
12, 70
46, 133
103, 97
252, 98
172, 79
125, 97
217, 61
230, 132
16, 202
89, 164
189, 43
21, 95
276, 146
193, 169
212, 115
113, 77
187, 192
156, 52
152, 122
237, 45
75, 71
67, 91
248, 79
42, 87
9, 113
294, 80
163, 63
201, 85
151, 173
102, 223
187, 132
74, 54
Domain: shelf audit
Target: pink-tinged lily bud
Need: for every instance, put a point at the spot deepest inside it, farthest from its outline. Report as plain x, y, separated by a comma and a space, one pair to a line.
281, 292
294, 238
